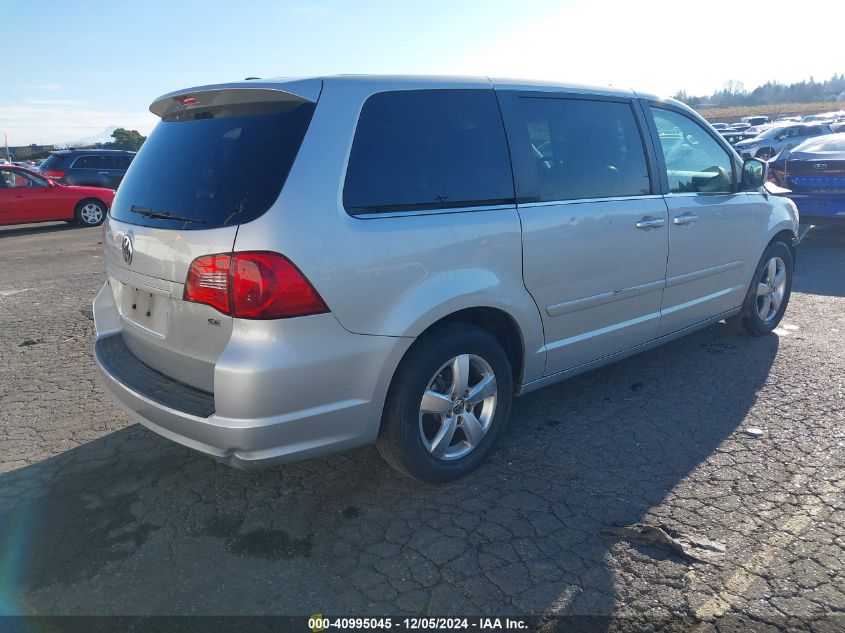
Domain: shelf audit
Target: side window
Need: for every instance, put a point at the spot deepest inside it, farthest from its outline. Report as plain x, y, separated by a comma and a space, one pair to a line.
695, 162
584, 148
88, 162
7, 178
428, 149
13, 179
23, 179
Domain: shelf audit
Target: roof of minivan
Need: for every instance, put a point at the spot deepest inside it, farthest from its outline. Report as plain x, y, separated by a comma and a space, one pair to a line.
501, 83
310, 87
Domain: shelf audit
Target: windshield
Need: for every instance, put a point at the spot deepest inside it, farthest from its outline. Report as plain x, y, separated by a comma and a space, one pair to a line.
213, 167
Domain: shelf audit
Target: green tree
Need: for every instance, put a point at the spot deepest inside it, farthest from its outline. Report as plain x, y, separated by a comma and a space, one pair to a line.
127, 139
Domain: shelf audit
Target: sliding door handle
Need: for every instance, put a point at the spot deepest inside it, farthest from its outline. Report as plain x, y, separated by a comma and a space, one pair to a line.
649, 222
684, 218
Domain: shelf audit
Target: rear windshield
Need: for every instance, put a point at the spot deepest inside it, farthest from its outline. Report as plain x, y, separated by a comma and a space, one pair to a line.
213, 167
53, 161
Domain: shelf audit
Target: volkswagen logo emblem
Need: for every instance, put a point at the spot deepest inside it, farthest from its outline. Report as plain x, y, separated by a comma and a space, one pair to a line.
819, 165
127, 249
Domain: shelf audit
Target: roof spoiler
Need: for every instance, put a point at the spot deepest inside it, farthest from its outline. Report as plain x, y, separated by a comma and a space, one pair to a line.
306, 90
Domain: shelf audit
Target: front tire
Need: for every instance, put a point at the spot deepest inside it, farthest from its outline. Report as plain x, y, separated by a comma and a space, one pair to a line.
90, 213
447, 405
768, 296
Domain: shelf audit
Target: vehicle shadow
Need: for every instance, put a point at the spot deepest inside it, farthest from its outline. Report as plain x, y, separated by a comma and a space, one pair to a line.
36, 229
132, 523
821, 251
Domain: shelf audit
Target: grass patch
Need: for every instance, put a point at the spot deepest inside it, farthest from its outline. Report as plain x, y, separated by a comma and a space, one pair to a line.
773, 111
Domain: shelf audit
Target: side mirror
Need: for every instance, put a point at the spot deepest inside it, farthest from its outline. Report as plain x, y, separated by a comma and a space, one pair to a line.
754, 173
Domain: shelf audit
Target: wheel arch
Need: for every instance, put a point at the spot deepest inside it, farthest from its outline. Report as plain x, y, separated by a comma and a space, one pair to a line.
91, 199
501, 325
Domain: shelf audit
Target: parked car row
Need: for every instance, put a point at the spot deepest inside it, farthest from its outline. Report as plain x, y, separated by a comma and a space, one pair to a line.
746, 134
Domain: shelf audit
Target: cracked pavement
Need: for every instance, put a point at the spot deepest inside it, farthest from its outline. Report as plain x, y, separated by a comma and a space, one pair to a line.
100, 516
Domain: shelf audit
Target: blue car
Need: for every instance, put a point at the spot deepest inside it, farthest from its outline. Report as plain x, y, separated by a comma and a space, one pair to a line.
815, 173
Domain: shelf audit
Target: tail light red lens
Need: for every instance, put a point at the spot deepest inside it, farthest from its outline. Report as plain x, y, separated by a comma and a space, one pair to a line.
208, 281
56, 175
252, 285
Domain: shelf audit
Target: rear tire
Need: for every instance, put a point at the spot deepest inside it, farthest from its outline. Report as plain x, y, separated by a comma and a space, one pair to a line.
768, 296
90, 212
450, 431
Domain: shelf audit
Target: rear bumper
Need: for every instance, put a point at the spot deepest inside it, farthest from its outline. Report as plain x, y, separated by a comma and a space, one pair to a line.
315, 390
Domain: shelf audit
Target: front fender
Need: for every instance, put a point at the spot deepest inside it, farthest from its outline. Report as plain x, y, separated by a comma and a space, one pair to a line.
778, 215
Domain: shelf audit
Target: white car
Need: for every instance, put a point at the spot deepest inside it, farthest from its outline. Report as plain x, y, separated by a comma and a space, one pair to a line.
775, 139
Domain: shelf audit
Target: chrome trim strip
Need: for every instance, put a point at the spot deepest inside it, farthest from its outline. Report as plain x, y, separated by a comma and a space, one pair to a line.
550, 203
677, 280
603, 298
699, 300
142, 282
600, 331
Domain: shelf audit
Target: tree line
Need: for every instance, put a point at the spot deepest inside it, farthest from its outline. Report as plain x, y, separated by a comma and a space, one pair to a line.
733, 93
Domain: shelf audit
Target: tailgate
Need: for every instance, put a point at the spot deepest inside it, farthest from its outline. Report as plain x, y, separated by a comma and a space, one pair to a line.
179, 339
218, 158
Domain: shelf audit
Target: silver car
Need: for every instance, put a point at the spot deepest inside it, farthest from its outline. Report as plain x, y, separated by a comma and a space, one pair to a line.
303, 266
772, 141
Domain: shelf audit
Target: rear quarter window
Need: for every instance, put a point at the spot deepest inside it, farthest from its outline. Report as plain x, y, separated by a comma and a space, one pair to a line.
428, 149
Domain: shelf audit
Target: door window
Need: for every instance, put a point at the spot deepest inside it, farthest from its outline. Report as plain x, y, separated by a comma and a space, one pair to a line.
695, 161
583, 148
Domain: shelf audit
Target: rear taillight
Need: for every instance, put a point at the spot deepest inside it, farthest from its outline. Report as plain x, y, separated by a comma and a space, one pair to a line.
55, 175
252, 285
208, 281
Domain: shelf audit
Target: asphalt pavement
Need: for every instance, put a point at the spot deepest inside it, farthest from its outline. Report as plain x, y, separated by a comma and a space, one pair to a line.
99, 516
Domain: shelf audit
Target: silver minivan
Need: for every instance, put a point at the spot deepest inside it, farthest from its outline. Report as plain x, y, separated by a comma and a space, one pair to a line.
303, 266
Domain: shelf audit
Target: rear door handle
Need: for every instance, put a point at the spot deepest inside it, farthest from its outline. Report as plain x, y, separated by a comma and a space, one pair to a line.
649, 222
684, 218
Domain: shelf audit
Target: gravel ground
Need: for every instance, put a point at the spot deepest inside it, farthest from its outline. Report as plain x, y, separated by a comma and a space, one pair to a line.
100, 516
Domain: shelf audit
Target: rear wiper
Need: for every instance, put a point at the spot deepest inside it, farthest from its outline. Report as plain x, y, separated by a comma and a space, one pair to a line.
163, 215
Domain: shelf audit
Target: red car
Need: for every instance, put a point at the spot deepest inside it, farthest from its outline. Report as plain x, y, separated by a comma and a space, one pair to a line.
26, 196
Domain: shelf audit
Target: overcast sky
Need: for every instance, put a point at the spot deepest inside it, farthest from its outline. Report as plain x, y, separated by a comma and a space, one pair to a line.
75, 68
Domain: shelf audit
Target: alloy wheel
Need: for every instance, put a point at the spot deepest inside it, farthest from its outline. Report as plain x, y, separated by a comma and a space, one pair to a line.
770, 289
457, 407
91, 213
